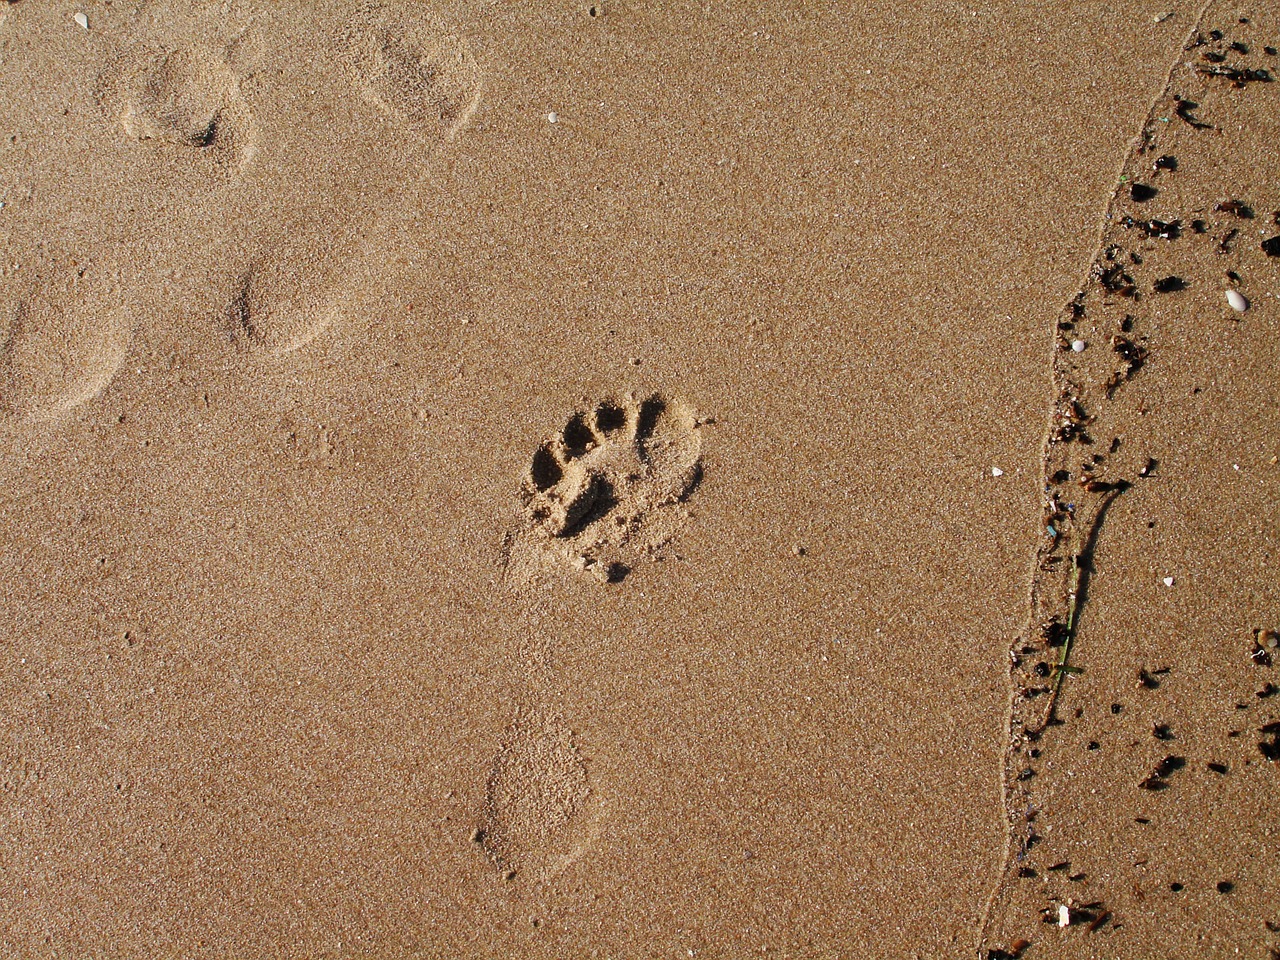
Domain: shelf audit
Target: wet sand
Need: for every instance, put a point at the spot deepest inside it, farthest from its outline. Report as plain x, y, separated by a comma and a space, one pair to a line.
433, 530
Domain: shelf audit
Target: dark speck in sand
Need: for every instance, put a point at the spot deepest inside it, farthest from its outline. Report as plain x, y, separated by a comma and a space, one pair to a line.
1236, 208
1270, 747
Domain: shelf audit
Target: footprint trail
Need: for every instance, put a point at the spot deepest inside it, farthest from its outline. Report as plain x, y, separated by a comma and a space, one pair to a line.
218, 172
605, 491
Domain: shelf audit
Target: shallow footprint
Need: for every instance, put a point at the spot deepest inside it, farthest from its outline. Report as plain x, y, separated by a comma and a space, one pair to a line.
185, 100
277, 308
413, 70
606, 488
534, 797
426, 80
60, 345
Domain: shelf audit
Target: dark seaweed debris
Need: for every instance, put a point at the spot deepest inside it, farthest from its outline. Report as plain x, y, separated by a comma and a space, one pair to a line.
1169, 285
1238, 77
1270, 746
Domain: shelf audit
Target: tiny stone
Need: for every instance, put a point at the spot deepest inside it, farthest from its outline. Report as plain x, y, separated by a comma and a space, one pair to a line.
997, 472
553, 117
1078, 346
1238, 303
1168, 581
798, 550
81, 19
1064, 915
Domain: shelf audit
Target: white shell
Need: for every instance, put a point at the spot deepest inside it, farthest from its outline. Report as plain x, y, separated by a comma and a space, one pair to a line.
1078, 346
1238, 303
81, 19
1064, 915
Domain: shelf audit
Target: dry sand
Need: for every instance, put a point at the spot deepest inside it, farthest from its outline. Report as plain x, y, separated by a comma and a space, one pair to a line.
517, 480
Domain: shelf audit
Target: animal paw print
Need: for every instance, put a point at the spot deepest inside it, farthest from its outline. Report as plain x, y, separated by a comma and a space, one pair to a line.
610, 479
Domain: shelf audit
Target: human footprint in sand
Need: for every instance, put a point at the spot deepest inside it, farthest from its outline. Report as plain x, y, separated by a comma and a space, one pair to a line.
204, 153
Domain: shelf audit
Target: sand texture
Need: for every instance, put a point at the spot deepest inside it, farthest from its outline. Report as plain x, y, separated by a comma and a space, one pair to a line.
636, 479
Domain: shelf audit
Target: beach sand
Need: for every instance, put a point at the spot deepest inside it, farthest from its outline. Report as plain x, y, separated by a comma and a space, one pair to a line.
570, 479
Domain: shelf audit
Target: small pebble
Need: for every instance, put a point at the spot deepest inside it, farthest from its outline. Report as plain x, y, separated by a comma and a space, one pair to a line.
1238, 303
81, 19
1078, 346
997, 472
1161, 17
1168, 581
553, 117
1064, 915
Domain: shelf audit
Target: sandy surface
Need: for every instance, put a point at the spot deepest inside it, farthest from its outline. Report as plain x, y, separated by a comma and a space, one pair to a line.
434, 530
